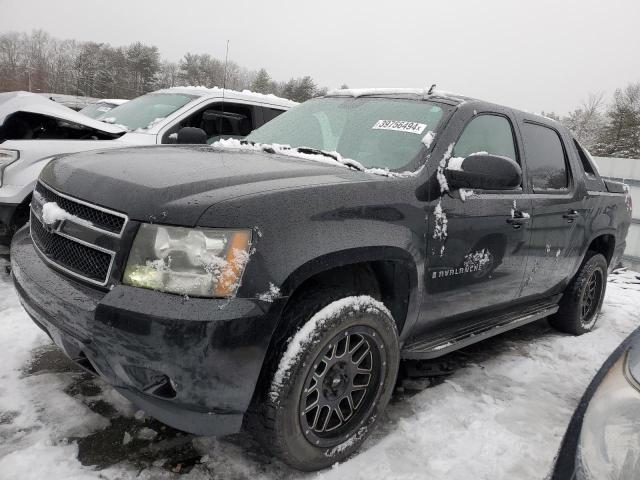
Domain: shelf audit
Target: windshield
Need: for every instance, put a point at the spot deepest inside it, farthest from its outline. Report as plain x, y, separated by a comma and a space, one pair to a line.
377, 132
97, 109
145, 111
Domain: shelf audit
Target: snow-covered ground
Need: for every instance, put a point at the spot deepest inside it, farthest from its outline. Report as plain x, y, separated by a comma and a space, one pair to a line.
501, 414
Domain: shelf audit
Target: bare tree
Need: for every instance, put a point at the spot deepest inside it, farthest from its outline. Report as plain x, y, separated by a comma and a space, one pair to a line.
587, 121
41, 63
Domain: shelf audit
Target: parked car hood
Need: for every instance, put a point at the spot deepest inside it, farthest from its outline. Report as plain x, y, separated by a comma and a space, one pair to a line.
176, 184
14, 102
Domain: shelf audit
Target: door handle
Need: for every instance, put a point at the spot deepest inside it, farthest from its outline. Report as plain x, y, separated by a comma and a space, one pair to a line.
571, 215
517, 222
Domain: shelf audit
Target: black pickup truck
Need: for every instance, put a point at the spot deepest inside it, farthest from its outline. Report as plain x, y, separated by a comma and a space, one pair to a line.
279, 287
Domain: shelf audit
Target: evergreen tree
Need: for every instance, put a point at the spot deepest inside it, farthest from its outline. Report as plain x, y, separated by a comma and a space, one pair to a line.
304, 90
621, 136
288, 89
262, 83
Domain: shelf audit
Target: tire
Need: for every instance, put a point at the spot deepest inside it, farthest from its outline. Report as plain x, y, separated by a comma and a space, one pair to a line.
580, 305
321, 403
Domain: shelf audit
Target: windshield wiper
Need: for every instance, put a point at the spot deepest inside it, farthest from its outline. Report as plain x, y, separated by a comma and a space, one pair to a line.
345, 161
335, 156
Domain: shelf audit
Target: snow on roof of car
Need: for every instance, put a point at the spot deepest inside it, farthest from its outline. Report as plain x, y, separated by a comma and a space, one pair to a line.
232, 94
424, 92
115, 101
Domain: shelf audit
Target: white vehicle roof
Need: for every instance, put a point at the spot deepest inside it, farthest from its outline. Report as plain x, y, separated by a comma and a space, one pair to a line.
245, 95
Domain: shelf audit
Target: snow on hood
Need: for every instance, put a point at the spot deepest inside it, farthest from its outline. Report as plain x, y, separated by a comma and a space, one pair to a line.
13, 102
303, 153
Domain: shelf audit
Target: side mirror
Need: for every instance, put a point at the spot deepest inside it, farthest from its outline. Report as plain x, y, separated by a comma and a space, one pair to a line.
483, 171
191, 135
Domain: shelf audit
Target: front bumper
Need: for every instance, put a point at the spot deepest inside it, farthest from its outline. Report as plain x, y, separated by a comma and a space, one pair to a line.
191, 363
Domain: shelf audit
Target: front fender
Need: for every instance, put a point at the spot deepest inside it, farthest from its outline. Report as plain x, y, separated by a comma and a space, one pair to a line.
301, 232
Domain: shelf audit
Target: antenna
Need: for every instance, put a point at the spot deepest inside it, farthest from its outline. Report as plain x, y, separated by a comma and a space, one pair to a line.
224, 80
431, 89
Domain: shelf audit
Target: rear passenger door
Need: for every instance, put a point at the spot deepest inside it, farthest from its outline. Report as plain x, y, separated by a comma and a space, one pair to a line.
558, 213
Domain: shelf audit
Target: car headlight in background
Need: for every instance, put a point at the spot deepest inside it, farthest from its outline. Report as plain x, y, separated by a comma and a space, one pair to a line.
7, 157
203, 262
609, 443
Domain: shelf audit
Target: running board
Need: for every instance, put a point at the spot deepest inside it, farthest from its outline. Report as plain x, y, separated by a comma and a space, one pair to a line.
478, 331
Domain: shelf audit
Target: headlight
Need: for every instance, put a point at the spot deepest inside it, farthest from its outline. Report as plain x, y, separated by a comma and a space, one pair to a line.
203, 262
609, 443
7, 157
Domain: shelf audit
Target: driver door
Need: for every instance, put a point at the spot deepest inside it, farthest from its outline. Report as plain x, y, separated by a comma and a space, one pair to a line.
479, 263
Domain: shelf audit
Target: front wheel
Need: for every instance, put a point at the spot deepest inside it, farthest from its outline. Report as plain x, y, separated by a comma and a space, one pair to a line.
333, 380
580, 305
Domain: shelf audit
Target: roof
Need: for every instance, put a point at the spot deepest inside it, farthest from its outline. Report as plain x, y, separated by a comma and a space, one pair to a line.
216, 92
412, 92
423, 93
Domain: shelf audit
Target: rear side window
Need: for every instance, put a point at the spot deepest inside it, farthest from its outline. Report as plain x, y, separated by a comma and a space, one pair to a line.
584, 159
487, 133
546, 160
270, 113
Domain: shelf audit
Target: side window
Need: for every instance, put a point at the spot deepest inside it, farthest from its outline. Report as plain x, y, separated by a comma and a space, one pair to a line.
546, 160
233, 120
230, 121
270, 113
487, 133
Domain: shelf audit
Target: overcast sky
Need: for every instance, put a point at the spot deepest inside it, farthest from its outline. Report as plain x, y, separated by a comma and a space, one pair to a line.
530, 54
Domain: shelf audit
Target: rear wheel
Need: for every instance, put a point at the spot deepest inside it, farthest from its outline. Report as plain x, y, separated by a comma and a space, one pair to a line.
582, 300
334, 378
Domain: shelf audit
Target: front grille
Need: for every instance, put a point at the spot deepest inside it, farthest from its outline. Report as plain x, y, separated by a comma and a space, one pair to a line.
76, 258
101, 219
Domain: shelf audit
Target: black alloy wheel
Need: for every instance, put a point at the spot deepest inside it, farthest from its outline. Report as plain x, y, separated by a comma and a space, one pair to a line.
591, 298
340, 388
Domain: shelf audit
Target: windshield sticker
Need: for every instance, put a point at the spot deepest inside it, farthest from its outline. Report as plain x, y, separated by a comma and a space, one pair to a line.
400, 126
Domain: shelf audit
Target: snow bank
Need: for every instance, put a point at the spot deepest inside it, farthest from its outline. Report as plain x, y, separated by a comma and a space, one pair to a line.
501, 415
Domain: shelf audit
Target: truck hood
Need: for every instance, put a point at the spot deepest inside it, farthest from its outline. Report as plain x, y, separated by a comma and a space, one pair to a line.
176, 184
14, 102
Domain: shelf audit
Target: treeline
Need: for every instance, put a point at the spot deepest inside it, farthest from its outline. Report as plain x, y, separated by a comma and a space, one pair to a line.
38, 62
608, 129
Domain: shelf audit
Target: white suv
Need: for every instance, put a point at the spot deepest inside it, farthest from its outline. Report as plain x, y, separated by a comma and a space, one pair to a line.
33, 129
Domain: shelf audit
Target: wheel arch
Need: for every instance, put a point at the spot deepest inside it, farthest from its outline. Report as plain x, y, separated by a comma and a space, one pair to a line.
604, 243
388, 273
